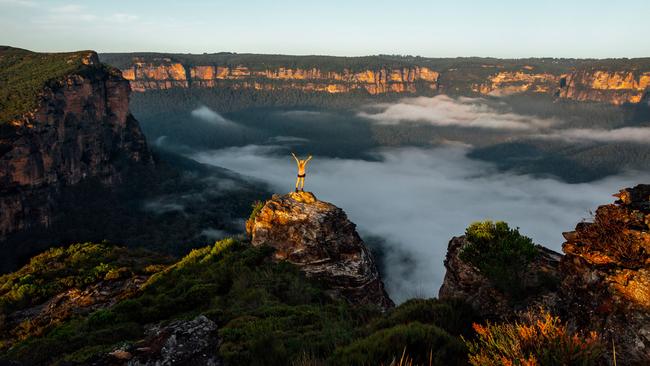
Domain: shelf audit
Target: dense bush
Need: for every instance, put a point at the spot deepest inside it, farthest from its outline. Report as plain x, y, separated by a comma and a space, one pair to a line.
268, 314
454, 316
541, 340
422, 342
502, 254
236, 285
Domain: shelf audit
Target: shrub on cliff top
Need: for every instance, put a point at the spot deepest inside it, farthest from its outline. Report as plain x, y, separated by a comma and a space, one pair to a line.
23, 74
540, 340
500, 253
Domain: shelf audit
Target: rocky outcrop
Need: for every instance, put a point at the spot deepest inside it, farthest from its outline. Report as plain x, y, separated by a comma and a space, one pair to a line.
166, 74
464, 281
317, 237
615, 87
182, 342
606, 274
82, 129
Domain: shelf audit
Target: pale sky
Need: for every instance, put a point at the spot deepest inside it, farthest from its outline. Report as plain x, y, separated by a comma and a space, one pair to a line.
505, 28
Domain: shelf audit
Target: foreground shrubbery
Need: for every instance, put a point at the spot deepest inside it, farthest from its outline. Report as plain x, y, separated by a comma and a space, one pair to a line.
424, 343
541, 340
500, 253
268, 313
76, 266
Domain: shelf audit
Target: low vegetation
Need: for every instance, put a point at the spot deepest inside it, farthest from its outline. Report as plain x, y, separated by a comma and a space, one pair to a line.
501, 253
257, 208
23, 74
76, 266
268, 313
540, 340
60, 270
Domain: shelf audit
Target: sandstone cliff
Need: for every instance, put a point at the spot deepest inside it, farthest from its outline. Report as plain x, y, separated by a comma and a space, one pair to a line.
318, 237
166, 74
606, 274
616, 87
609, 81
81, 129
516, 82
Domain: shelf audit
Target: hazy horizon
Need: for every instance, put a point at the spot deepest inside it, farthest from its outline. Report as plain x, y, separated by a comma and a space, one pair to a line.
506, 29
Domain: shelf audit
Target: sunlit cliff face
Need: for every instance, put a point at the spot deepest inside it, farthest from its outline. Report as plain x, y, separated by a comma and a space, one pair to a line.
145, 76
615, 87
506, 83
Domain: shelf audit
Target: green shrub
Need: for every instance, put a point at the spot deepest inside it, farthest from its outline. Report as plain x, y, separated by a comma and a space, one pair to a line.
257, 208
421, 342
500, 253
540, 340
454, 316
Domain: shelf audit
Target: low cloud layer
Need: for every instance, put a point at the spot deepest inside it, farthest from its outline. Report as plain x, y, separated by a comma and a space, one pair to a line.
417, 199
626, 134
442, 110
208, 115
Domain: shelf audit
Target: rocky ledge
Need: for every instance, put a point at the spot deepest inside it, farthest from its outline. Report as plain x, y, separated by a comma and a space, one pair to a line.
317, 237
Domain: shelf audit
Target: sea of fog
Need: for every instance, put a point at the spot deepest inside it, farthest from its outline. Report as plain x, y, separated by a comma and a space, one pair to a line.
417, 199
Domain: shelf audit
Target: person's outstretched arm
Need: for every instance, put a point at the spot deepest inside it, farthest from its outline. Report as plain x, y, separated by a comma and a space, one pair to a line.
307, 161
295, 157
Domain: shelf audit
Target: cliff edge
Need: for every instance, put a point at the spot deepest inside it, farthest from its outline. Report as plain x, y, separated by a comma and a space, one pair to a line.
65, 119
318, 237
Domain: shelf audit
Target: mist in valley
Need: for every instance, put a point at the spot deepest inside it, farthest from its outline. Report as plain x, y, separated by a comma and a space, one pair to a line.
417, 199
408, 199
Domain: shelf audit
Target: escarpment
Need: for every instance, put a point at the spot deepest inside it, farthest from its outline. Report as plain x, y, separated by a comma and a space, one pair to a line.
318, 237
167, 75
80, 129
615, 87
607, 81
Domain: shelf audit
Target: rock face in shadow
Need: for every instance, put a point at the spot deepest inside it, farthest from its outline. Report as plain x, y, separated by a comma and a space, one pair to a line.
606, 274
182, 342
82, 129
464, 281
318, 237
